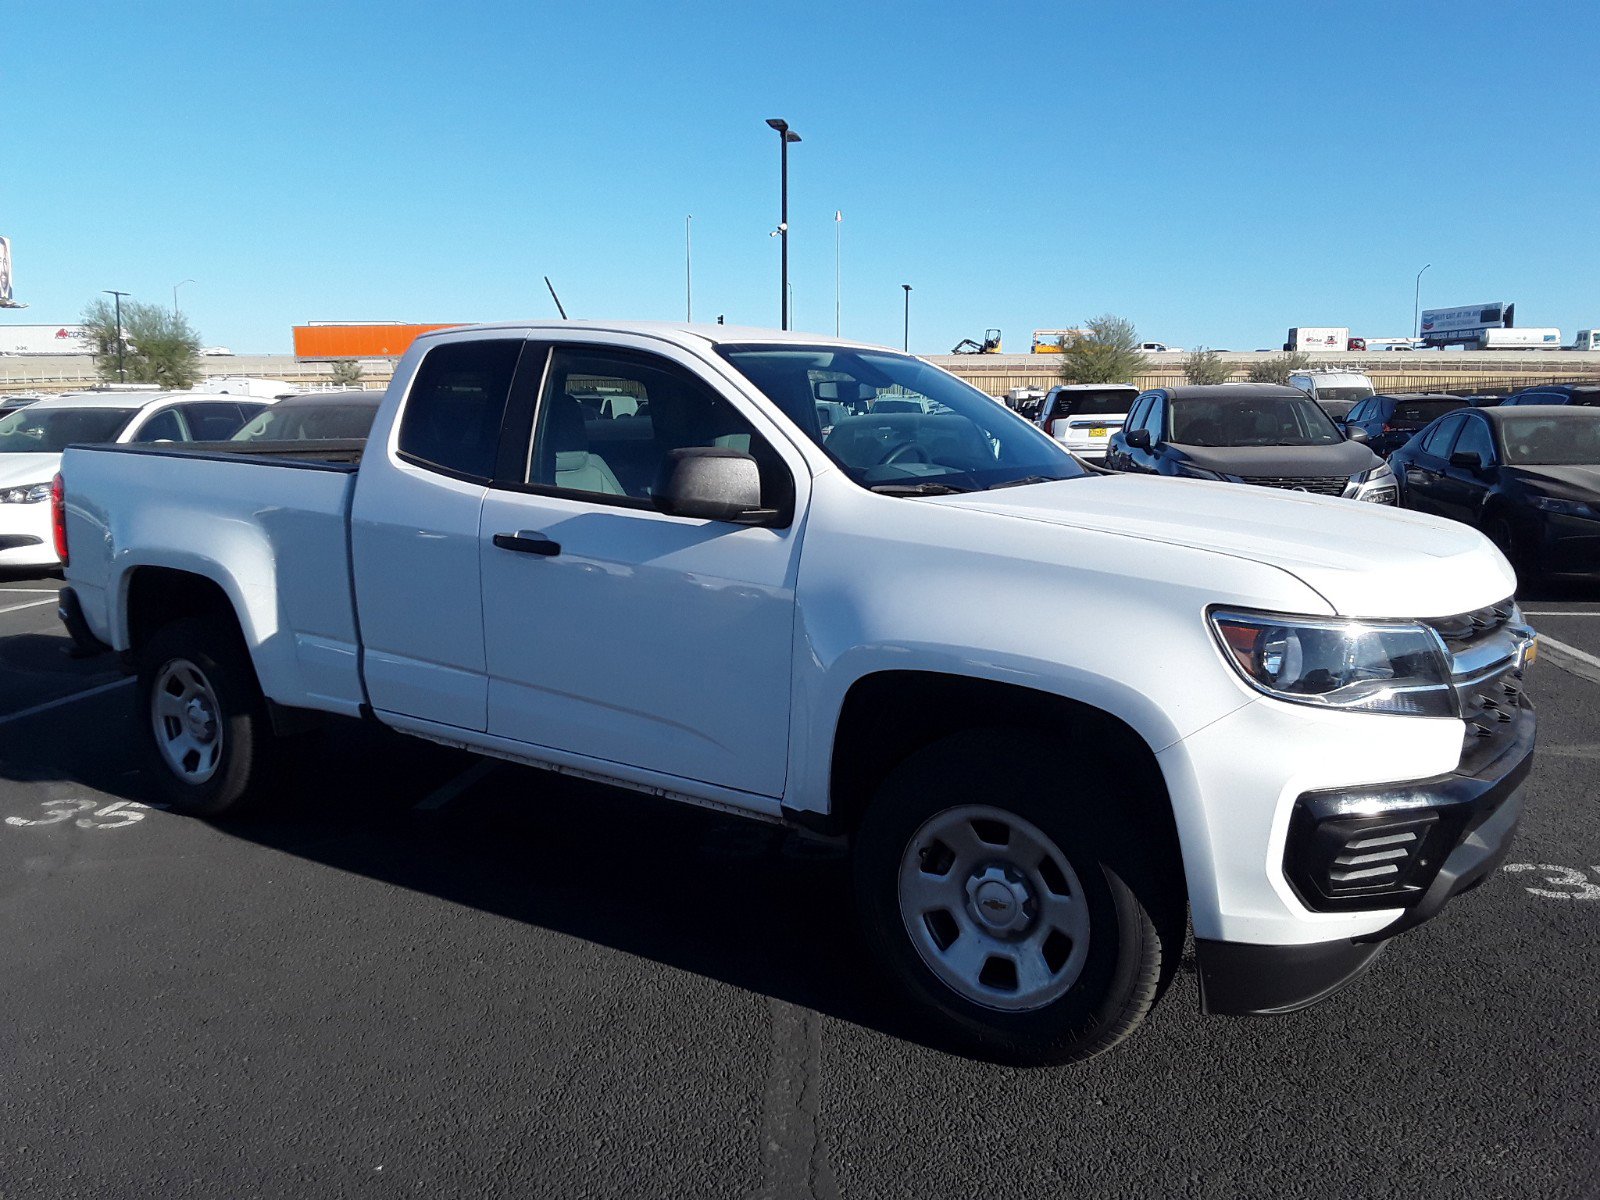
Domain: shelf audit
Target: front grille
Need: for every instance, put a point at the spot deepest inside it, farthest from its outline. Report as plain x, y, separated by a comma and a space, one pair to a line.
1466, 629
1321, 485
1490, 709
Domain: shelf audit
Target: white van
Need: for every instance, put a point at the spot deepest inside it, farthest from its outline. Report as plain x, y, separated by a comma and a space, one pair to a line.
1336, 391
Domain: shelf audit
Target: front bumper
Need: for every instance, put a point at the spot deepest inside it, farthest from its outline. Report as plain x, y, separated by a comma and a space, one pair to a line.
25, 536
1434, 839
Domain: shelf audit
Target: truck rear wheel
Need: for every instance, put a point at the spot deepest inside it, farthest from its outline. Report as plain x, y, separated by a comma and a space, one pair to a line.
1016, 903
205, 719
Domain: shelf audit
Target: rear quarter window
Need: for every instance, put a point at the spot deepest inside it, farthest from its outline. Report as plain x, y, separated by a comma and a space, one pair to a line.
457, 405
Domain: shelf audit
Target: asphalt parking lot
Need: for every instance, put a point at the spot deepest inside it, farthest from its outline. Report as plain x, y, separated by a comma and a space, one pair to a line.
429, 975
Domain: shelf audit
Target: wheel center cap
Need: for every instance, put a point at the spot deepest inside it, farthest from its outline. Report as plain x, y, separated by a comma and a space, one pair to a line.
1000, 900
197, 716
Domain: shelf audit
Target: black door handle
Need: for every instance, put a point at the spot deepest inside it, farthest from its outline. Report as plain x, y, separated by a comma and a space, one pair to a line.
526, 541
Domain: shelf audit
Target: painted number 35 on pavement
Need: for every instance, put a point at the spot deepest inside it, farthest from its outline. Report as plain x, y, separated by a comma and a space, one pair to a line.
86, 814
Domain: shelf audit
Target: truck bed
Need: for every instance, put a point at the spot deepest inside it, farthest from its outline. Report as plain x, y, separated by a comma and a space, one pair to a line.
267, 522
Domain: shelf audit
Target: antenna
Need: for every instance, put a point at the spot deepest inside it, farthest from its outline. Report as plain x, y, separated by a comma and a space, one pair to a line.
555, 297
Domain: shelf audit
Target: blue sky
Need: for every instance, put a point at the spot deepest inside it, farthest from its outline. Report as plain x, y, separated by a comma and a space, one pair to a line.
1215, 172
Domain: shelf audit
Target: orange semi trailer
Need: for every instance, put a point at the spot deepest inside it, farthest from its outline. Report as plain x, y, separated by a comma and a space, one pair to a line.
376, 340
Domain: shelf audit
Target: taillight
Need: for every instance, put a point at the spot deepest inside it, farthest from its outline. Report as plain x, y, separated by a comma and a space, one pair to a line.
58, 517
1388, 428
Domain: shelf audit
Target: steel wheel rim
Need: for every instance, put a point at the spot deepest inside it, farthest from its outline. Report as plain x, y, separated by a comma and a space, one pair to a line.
186, 719
994, 908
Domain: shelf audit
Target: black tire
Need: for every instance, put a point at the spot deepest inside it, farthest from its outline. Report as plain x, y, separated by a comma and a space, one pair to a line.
236, 783
1136, 907
1499, 529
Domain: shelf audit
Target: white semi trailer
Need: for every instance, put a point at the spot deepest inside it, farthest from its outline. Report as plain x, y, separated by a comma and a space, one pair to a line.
44, 339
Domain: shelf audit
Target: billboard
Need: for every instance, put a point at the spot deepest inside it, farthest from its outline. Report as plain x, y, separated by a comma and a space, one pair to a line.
6, 298
1446, 326
45, 339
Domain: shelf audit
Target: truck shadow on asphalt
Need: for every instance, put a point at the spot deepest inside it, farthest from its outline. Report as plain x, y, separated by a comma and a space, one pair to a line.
730, 899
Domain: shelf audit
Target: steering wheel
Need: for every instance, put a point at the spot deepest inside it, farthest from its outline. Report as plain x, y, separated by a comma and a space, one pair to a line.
905, 451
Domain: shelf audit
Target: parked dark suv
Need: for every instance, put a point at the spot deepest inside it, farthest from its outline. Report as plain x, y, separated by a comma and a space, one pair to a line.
1387, 422
1259, 433
1556, 393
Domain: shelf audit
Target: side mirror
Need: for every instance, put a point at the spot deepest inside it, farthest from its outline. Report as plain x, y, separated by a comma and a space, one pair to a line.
1470, 459
1139, 439
713, 484
1355, 433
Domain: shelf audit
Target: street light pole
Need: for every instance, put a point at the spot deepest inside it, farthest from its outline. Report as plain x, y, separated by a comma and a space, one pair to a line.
905, 343
785, 136
688, 268
122, 375
175, 288
838, 219
1416, 307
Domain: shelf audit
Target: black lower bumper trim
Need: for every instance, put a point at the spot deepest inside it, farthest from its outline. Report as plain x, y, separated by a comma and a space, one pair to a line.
1238, 979
70, 610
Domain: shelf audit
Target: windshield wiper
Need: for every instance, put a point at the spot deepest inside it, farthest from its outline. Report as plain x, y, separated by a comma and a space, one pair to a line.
916, 489
1024, 481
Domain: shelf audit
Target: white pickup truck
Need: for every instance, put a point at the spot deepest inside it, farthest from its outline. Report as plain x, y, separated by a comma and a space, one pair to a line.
1057, 713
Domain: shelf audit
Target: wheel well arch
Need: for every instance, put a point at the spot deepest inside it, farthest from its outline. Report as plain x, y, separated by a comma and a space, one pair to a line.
156, 596
889, 715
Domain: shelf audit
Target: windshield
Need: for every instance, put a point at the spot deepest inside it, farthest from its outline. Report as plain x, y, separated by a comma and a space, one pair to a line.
1552, 441
907, 427
51, 430
310, 422
1251, 421
1102, 401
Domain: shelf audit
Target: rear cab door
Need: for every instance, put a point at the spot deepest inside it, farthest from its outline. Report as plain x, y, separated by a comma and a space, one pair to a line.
414, 526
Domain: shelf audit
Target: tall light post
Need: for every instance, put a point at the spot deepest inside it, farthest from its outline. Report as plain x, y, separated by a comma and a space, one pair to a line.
838, 220
688, 268
122, 375
905, 342
785, 136
1416, 307
175, 288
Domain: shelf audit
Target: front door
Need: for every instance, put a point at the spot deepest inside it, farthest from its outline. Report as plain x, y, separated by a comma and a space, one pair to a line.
617, 632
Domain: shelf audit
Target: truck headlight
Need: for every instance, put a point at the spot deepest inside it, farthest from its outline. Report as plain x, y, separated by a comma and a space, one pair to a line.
1359, 666
28, 493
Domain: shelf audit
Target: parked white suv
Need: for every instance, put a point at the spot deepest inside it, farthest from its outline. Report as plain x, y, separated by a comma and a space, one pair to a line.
32, 439
1083, 416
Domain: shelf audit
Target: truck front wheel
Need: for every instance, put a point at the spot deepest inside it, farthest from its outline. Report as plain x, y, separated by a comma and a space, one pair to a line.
1015, 899
205, 718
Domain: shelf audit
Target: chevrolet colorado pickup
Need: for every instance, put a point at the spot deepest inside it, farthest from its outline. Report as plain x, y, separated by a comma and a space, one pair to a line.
1061, 716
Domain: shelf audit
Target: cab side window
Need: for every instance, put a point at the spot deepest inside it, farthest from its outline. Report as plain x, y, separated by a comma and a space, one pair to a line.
608, 420
457, 405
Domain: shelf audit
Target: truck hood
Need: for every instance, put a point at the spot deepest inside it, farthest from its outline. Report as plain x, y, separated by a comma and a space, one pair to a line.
1366, 560
19, 469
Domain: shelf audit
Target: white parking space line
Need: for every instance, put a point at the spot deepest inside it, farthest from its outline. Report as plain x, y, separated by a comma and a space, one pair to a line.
1545, 640
29, 604
1545, 612
458, 785
64, 700
30, 591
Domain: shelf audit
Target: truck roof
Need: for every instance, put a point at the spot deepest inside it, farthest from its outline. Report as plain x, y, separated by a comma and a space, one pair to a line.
678, 332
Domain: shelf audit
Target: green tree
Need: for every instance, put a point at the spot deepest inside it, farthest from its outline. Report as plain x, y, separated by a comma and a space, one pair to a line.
159, 346
1278, 368
1105, 350
347, 372
1206, 366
